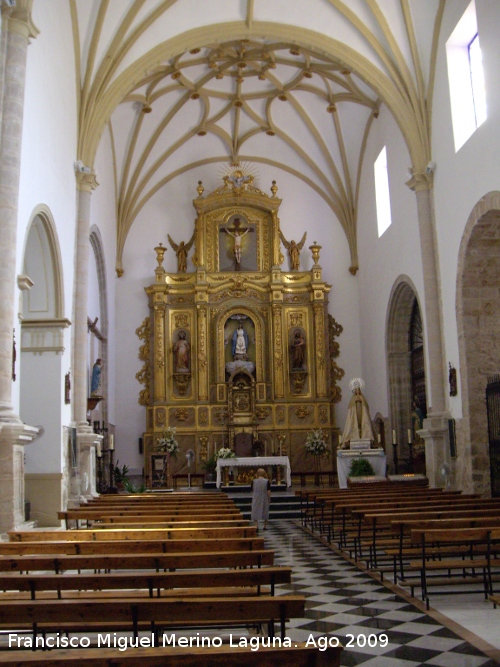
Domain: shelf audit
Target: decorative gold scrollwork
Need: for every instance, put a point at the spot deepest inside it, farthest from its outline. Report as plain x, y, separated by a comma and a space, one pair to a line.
181, 321
302, 411
261, 412
336, 373
144, 375
181, 414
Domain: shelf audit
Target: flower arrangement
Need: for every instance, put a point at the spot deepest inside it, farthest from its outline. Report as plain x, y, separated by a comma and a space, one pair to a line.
167, 443
315, 443
225, 453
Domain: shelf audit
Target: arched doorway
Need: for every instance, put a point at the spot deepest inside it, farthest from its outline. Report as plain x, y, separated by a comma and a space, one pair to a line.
478, 317
43, 366
406, 367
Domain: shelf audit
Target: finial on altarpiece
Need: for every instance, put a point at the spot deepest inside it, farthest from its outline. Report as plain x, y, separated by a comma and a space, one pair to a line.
315, 248
160, 252
200, 189
274, 188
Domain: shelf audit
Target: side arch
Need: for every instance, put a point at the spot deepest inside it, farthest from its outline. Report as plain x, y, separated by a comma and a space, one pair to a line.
478, 314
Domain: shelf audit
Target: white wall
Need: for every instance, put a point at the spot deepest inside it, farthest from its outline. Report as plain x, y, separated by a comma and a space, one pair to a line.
171, 211
47, 176
382, 260
463, 178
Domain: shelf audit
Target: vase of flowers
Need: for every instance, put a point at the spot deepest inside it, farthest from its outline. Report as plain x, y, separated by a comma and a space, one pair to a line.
168, 444
317, 447
225, 453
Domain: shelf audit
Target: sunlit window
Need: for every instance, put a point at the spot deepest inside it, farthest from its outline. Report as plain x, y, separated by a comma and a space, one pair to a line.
466, 77
477, 80
382, 194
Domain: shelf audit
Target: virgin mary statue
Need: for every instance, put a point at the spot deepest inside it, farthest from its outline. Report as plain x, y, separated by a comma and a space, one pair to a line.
358, 424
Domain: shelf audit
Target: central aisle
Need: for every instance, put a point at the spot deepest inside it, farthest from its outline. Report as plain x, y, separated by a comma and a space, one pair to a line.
342, 601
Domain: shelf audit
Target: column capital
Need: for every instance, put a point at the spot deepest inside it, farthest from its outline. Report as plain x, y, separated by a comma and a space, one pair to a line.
85, 180
19, 19
422, 181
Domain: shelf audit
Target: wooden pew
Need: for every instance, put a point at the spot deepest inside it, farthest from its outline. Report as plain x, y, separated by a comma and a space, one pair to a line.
84, 514
133, 584
158, 522
161, 545
298, 655
155, 561
97, 615
132, 534
463, 566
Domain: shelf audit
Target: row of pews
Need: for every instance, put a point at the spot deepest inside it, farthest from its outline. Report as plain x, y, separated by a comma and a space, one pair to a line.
428, 539
153, 579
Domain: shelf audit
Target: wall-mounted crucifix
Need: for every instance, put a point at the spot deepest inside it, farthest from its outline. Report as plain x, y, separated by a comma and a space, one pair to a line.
237, 232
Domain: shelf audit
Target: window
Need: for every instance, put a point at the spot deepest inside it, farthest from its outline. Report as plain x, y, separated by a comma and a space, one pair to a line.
466, 79
382, 194
477, 80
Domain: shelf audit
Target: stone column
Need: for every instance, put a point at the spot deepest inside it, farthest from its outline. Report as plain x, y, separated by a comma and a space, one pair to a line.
435, 432
17, 29
16, 32
83, 482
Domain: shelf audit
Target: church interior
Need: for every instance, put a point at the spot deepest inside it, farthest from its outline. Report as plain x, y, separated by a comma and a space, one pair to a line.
265, 231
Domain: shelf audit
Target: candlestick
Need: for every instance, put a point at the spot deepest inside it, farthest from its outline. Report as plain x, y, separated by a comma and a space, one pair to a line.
111, 441
394, 441
265, 449
340, 439
409, 435
98, 449
379, 439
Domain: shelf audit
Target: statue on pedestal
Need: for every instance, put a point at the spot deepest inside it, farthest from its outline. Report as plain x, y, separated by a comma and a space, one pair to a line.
358, 423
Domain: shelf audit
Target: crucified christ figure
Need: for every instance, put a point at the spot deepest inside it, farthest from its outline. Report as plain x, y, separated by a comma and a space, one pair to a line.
237, 233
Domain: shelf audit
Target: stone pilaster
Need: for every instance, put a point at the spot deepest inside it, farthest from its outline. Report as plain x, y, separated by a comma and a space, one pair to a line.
436, 437
13, 437
435, 432
17, 29
421, 184
16, 32
82, 484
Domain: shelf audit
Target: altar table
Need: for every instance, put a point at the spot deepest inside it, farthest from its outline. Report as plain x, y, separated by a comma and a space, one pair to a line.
376, 457
255, 462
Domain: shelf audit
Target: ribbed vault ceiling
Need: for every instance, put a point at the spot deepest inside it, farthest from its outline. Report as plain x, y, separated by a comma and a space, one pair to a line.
250, 100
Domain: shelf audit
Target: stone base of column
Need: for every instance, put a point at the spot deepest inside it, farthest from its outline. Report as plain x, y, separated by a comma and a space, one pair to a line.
13, 437
436, 436
83, 481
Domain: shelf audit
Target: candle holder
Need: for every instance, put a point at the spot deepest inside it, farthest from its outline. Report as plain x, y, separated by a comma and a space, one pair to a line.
395, 459
410, 457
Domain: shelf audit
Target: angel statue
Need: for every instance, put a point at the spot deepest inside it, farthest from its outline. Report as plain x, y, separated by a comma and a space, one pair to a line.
181, 251
293, 250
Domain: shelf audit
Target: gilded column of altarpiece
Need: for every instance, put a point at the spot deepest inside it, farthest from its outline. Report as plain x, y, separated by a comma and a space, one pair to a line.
239, 345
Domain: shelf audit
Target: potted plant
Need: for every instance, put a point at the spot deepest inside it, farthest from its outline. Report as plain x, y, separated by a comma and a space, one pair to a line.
210, 466
361, 468
120, 475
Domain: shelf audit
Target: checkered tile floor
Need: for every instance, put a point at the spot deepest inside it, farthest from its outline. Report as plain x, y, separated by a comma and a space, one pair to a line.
346, 603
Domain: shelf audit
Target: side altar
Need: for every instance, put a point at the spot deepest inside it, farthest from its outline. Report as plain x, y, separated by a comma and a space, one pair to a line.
240, 352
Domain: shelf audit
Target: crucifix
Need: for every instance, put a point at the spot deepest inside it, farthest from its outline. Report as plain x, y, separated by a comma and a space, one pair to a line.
237, 232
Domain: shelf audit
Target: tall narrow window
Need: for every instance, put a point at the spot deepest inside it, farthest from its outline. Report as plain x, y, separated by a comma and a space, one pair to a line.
466, 78
477, 80
382, 194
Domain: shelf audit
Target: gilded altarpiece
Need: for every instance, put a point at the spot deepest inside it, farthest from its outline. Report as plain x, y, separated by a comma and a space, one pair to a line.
240, 345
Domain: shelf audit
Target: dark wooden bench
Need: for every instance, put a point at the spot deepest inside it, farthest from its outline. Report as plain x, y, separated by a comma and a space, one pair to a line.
216, 582
154, 614
298, 655
161, 545
155, 561
126, 534
458, 569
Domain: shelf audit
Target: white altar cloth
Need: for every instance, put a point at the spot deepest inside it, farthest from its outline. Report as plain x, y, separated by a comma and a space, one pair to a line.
255, 462
376, 457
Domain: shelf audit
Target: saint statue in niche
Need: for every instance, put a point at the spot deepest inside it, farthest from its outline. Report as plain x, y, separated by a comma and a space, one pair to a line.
239, 343
238, 340
298, 350
95, 382
181, 351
